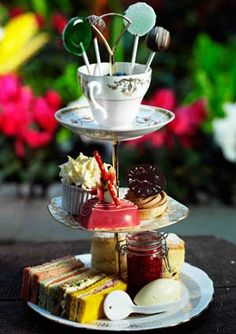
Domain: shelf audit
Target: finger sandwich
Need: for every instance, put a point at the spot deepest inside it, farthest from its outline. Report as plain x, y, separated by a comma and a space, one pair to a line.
87, 305
32, 276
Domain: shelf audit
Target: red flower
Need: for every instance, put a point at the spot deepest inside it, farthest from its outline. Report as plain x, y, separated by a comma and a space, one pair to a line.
156, 139
188, 118
12, 120
44, 114
59, 22
40, 20
187, 122
16, 11
163, 98
35, 138
19, 147
53, 99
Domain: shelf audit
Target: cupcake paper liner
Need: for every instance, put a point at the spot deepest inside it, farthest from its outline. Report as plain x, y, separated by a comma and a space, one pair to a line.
73, 197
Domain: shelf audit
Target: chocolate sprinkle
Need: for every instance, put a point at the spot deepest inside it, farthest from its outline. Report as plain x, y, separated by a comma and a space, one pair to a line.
146, 180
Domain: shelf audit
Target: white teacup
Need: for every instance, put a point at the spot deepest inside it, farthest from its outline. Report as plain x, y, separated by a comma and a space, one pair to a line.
115, 100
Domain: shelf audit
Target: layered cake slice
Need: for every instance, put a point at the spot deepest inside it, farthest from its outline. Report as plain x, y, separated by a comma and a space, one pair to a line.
176, 256
32, 276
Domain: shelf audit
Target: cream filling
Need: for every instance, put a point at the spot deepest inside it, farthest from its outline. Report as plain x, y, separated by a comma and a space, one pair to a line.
82, 285
149, 202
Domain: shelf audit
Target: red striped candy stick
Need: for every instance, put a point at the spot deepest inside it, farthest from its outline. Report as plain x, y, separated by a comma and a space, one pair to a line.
106, 178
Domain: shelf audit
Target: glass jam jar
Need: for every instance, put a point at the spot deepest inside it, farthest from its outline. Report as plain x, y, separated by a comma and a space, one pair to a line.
144, 259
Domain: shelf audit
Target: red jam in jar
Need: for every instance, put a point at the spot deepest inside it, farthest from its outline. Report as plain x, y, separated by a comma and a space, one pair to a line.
144, 259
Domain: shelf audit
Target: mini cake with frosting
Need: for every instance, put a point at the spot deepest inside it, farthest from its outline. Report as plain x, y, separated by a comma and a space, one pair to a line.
146, 185
79, 176
106, 211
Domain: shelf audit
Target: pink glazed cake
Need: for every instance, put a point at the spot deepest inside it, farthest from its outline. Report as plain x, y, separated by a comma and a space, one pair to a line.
95, 214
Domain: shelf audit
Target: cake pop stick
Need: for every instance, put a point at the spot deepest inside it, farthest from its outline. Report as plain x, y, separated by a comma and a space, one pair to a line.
158, 39
100, 25
112, 51
85, 58
76, 38
143, 20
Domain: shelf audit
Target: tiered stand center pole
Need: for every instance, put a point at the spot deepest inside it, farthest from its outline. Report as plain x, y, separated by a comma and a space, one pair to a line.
115, 163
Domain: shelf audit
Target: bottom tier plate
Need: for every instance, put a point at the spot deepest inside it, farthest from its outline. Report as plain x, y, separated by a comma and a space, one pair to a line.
200, 293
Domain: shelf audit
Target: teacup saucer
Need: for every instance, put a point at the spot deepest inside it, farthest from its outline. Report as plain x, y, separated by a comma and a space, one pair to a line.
81, 121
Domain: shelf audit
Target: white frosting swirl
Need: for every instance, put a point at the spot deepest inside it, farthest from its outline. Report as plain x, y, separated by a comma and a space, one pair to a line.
82, 172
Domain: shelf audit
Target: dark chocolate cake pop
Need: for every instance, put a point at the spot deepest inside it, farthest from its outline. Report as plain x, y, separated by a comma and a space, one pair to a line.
97, 22
146, 180
158, 39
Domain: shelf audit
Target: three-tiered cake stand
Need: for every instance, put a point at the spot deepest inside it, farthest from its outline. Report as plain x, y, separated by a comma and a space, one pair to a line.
198, 287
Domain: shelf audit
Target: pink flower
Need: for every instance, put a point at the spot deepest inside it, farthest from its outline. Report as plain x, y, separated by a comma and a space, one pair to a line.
10, 85
26, 118
25, 97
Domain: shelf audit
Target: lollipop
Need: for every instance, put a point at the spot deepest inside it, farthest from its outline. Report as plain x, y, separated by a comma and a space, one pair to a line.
158, 39
76, 38
99, 23
143, 20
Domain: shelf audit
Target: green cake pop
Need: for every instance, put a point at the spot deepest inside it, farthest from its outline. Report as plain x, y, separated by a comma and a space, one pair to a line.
143, 20
76, 38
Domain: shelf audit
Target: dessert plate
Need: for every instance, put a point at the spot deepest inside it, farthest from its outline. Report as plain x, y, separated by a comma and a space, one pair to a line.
198, 287
80, 120
174, 213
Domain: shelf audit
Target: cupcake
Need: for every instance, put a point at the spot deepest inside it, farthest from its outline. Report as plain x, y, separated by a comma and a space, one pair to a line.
79, 177
146, 184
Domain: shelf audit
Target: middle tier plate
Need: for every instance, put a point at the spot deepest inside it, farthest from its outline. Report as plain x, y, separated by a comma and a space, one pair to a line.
80, 120
174, 213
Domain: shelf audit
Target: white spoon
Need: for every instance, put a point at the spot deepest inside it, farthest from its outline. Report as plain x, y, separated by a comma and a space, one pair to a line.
118, 305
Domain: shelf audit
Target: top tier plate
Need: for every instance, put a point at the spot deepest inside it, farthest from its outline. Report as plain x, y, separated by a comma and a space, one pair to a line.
81, 121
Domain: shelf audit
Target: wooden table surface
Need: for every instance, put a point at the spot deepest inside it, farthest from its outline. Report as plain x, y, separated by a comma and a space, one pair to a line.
216, 257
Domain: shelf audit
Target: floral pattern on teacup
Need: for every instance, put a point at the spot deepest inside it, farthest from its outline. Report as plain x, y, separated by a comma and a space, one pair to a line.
128, 86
